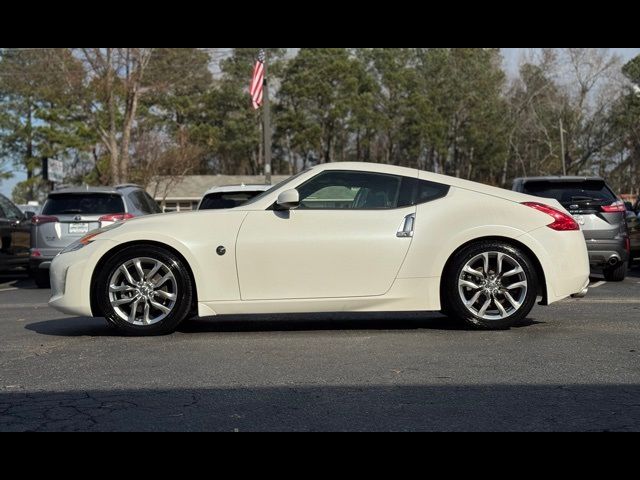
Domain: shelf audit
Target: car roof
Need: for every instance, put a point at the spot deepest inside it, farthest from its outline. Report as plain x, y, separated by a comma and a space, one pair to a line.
117, 190
239, 188
559, 179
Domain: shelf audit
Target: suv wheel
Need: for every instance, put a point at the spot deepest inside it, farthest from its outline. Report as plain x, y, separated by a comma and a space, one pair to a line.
616, 274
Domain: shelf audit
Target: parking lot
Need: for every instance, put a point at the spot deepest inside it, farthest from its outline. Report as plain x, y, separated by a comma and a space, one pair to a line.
571, 366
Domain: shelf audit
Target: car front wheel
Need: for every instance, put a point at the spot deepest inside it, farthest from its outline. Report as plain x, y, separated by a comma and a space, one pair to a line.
490, 285
145, 291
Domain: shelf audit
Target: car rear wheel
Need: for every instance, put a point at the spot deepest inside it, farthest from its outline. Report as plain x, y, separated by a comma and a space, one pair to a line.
616, 274
145, 291
490, 285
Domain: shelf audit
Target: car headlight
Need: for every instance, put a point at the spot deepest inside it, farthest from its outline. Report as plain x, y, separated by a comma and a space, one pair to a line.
87, 239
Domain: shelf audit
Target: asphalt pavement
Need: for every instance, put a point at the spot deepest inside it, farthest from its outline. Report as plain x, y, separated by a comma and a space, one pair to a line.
574, 366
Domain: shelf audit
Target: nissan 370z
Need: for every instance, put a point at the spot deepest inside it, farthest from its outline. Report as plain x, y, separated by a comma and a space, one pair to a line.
346, 237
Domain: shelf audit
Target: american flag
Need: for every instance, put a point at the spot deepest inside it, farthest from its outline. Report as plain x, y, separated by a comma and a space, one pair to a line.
257, 82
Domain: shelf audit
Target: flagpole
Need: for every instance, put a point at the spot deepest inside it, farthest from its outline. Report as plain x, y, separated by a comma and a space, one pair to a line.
266, 122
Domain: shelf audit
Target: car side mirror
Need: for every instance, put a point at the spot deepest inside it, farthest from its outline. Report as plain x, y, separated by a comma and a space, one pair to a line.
29, 215
288, 200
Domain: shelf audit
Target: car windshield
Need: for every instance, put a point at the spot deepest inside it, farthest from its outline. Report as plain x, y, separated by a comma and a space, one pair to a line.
84, 204
222, 200
571, 192
275, 188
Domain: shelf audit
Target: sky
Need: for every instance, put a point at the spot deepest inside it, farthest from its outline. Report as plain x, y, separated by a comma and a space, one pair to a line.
512, 58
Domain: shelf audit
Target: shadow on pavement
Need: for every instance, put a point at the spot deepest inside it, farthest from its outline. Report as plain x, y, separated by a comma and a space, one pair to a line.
91, 327
16, 279
440, 405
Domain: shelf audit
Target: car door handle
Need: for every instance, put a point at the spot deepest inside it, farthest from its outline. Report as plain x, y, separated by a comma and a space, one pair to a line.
407, 227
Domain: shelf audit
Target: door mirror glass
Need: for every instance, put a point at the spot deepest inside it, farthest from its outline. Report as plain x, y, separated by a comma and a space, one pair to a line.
288, 200
28, 215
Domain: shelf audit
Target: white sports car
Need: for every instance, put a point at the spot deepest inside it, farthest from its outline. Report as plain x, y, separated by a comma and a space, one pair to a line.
339, 237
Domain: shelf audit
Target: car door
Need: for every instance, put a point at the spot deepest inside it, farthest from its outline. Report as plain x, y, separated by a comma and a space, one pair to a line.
633, 222
5, 238
347, 239
16, 233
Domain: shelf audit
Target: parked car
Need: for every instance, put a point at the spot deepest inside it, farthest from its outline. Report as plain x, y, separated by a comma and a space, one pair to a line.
70, 214
230, 197
404, 242
633, 223
33, 207
600, 213
15, 236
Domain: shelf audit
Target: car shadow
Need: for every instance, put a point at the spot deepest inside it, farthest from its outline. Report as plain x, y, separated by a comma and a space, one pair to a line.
16, 279
92, 327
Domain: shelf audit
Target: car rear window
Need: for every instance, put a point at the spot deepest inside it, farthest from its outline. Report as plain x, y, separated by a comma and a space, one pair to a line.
84, 204
568, 192
219, 201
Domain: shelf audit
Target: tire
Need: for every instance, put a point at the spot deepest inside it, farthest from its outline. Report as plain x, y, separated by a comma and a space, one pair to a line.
160, 305
42, 279
616, 274
501, 312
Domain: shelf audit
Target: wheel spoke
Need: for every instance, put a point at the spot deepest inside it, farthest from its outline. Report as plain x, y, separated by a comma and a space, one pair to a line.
503, 312
514, 286
123, 301
473, 300
468, 284
500, 259
485, 256
139, 269
166, 295
512, 301
134, 311
475, 273
146, 319
511, 273
125, 271
154, 271
485, 307
121, 288
163, 280
160, 307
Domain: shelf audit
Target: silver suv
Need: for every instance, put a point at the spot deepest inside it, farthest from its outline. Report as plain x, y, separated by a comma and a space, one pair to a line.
600, 213
70, 214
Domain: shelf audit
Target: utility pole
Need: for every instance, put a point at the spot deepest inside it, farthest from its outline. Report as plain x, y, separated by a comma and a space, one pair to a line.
266, 124
564, 161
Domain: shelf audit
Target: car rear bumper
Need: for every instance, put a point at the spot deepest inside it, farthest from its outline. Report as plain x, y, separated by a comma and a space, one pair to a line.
603, 253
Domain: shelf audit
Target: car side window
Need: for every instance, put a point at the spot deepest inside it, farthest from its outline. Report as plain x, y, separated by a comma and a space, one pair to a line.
142, 202
340, 190
10, 211
345, 190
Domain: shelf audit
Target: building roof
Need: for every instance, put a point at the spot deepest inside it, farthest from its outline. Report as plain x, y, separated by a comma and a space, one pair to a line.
193, 187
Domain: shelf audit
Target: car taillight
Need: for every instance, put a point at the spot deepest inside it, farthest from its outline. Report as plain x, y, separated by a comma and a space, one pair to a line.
616, 207
118, 217
42, 219
562, 222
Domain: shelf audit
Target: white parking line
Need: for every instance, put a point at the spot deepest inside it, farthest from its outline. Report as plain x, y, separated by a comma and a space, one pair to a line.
8, 290
598, 284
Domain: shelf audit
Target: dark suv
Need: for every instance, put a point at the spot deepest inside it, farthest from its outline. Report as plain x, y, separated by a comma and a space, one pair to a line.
15, 236
600, 213
70, 214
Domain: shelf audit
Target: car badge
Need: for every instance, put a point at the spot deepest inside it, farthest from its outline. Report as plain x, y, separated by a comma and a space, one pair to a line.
77, 219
